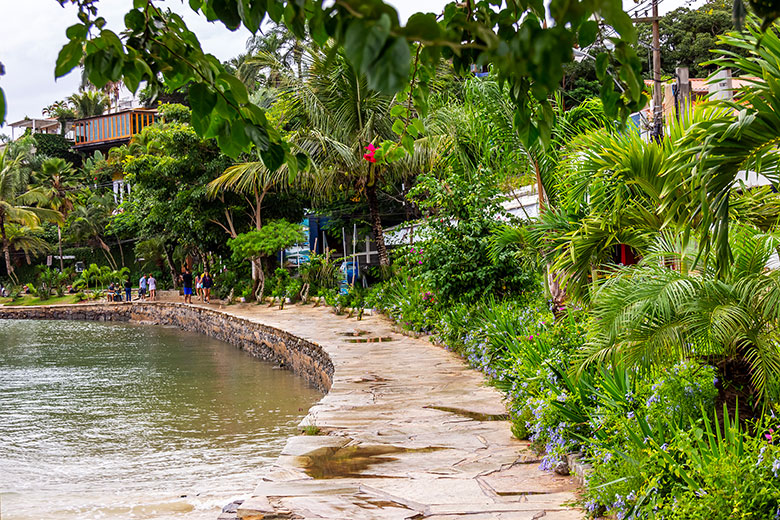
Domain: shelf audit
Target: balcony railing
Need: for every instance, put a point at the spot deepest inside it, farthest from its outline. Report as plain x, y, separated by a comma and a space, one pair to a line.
112, 127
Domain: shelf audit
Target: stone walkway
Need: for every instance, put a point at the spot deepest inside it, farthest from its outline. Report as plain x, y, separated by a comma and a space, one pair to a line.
407, 431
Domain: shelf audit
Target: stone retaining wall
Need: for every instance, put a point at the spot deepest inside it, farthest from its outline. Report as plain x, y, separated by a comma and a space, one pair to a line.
303, 357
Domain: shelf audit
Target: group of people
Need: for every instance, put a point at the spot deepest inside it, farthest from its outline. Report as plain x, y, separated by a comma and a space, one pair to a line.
202, 284
114, 291
147, 287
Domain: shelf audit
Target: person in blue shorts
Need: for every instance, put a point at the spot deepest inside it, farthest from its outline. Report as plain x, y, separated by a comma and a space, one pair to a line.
186, 283
142, 287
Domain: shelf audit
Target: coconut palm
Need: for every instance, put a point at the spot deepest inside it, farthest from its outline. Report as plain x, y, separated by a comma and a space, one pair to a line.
27, 240
16, 203
335, 116
649, 314
59, 189
87, 223
88, 103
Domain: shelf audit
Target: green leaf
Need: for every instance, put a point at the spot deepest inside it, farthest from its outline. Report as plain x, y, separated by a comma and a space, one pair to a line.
2, 107
398, 126
195, 4
418, 125
588, 32
202, 100
602, 61
615, 16
407, 142
227, 12
258, 135
397, 110
303, 161
252, 13
390, 72
422, 26
69, 56
78, 31
276, 10
235, 86
364, 43
273, 158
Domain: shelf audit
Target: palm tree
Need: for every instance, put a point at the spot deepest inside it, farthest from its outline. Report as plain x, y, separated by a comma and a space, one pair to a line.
87, 223
89, 103
276, 44
539, 161
336, 116
622, 191
743, 139
253, 180
26, 239
15, 197
59, 191
649, 314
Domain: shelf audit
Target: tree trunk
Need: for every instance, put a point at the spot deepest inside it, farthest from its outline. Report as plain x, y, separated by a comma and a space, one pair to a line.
171, 267
9, 269
257, 270
376, 225
107, 253
557, 293
59, 246
121, 251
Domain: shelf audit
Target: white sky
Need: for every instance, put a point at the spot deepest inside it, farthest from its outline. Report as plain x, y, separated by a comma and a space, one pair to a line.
33, 31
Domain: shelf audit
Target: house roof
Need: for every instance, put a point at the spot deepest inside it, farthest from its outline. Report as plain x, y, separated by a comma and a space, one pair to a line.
38, 123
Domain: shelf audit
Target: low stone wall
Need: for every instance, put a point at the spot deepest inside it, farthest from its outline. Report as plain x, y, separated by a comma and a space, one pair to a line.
303, 357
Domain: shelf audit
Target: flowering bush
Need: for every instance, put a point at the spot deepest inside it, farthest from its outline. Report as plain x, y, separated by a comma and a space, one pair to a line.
707, 470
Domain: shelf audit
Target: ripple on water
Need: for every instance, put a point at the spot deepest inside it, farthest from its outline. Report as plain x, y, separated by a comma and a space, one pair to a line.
128, 421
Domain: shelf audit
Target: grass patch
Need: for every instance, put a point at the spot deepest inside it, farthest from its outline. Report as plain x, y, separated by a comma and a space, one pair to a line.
311, 429
30, 300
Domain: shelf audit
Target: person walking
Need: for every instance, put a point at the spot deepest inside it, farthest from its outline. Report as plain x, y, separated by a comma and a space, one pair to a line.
142, 287
208, 283
152, 287
186, 284
128, 290
199, 287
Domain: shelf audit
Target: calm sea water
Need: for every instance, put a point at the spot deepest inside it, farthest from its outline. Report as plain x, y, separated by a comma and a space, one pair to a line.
124, 421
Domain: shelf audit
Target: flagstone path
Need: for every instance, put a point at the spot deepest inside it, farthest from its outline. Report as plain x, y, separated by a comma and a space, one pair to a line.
407, 431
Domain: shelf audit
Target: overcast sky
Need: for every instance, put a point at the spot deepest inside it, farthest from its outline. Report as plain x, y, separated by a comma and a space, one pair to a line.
33, 31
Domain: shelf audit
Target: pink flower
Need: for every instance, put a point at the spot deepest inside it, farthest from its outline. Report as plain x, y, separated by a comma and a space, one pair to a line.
530, 337
369, 156
420, 262
768, 436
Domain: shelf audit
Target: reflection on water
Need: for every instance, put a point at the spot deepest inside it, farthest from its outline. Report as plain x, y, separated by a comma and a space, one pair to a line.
129, 421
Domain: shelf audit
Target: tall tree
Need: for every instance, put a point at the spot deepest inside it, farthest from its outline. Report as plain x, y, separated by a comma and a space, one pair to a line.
60, 191
17, 202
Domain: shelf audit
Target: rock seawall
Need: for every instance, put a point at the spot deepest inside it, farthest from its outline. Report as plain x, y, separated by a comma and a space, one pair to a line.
303, 357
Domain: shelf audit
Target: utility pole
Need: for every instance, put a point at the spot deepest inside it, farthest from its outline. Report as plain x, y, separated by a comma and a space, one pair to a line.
658, 94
